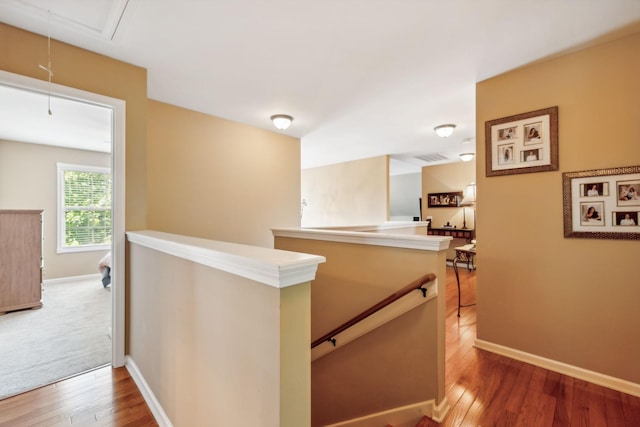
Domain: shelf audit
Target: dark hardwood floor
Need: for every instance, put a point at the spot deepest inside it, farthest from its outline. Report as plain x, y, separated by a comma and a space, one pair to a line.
483, 389
103, 397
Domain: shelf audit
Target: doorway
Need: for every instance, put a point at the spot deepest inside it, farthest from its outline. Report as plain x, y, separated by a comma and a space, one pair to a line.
116, 109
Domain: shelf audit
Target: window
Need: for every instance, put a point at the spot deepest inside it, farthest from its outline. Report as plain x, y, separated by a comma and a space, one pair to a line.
84, 208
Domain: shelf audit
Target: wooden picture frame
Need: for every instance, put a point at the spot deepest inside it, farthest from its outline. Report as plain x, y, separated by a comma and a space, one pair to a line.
451, 199
602, 203
523, 143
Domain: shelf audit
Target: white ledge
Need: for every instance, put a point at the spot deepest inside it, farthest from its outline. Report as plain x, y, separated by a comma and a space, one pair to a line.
410, 241
388, 225
272, 267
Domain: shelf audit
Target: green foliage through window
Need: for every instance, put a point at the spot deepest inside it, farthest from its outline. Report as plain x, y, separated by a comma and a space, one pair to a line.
87, 208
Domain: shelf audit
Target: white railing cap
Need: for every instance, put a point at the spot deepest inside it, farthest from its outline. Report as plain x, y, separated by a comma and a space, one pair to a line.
272, 267
410, 241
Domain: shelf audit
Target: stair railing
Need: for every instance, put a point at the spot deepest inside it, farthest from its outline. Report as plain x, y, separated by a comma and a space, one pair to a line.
417, 284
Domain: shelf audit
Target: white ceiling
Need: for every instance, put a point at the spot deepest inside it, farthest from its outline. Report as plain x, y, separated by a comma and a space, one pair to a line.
362, 78
73, 124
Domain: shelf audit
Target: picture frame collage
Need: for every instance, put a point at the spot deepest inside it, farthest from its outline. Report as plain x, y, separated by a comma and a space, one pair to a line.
523, 143
599, 203
451, 199
603, 203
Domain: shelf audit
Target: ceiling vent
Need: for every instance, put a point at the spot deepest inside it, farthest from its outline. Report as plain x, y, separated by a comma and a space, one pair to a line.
433, 157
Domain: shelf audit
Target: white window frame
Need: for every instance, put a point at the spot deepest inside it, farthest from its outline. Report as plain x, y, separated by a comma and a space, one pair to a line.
62, 248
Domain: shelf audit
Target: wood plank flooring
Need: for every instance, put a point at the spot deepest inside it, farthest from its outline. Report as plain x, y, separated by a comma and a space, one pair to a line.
103, 397
485, 389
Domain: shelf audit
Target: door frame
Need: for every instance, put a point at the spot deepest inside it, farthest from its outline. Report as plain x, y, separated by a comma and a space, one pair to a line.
118, 147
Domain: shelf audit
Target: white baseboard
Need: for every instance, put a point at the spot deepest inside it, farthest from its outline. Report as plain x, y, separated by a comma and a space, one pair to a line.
562, 368
408, 415
154, 405
95, 277
440, 411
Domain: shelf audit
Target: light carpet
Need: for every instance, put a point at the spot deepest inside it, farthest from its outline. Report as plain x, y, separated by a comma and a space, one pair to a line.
68, 335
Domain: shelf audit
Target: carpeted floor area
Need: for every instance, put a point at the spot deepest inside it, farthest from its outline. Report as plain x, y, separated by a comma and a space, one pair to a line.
68, 335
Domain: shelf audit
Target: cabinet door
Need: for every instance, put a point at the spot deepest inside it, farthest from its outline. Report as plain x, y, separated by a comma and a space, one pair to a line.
20, 260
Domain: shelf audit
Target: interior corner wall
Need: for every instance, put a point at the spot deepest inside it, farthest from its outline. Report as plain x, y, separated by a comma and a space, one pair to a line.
570, 300
350, 193
34, 167
217, 179
22, 51
446, 178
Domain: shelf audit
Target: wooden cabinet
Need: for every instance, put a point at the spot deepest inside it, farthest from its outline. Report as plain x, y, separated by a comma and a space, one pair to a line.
20, 259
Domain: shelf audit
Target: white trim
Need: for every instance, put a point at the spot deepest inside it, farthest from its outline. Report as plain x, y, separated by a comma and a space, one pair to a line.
95, 277
272, 267
377, 319
387, 225
118, 166
410, 241
149, 397
562, 368
83, 168
402, 415
440, 411
84, 248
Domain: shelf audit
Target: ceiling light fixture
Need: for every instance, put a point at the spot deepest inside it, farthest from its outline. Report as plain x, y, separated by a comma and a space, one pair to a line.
281, 121
444, 131
466, 156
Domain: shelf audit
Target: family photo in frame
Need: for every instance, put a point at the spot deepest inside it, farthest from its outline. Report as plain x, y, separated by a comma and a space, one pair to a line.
602, 204
522, 143
444, 200
628, 193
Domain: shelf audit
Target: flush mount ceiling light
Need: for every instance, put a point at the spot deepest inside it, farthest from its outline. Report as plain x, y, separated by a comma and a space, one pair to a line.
444, 130
281, 121
466, 156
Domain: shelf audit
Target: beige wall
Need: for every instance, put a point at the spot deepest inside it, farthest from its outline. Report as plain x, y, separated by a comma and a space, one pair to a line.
406, 355
569, 300
351, 193
221, 180
443, 179
211, 345
22, 51
28, 180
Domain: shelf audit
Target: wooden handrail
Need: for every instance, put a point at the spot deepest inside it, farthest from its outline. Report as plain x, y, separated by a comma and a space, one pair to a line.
416, 284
